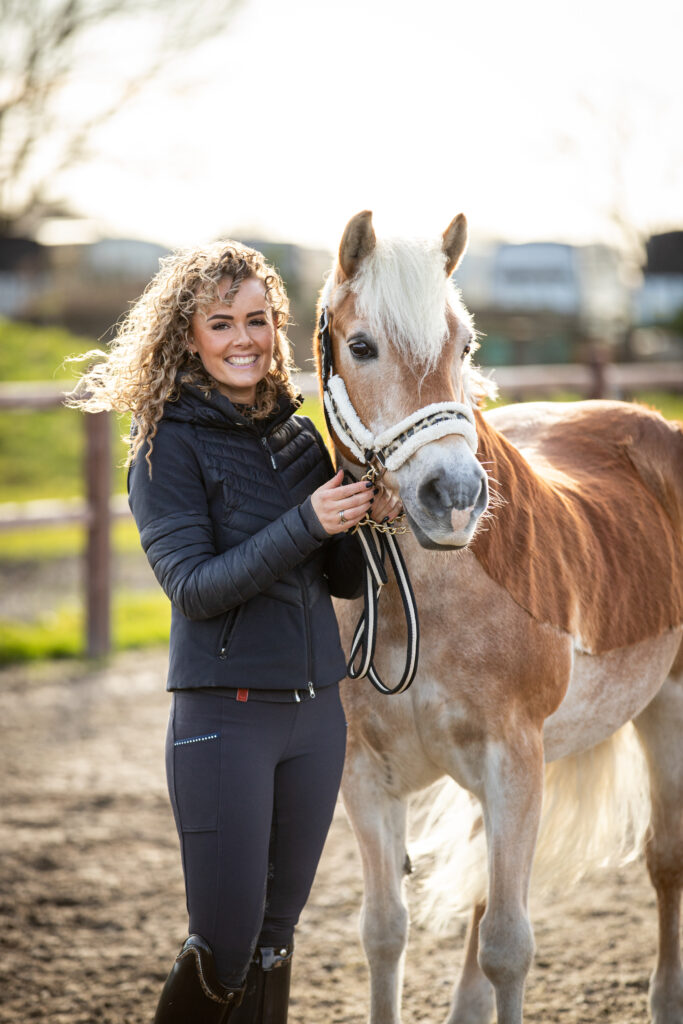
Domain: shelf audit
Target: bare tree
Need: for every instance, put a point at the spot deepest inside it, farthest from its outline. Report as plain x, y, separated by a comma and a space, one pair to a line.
43, 53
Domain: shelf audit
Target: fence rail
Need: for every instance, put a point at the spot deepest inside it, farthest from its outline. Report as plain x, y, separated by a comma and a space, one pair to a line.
99, 508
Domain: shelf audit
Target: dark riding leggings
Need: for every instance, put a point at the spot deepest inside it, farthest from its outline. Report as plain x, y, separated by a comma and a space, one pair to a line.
253, 787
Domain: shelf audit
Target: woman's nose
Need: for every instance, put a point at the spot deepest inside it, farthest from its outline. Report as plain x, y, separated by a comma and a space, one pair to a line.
242, 334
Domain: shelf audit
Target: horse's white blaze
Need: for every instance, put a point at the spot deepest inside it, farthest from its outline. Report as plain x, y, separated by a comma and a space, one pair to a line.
403, 292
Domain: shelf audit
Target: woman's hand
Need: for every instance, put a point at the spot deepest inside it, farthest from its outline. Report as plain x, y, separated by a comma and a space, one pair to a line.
340, 507
385, 506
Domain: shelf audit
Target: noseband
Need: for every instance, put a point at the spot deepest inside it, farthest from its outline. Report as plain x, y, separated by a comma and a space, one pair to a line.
385, 452
393, 446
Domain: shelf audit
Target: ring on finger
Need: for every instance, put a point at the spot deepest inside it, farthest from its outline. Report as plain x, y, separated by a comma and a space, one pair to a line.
342, 517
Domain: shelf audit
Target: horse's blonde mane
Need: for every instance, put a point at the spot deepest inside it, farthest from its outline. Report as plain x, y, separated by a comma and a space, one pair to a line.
401, 288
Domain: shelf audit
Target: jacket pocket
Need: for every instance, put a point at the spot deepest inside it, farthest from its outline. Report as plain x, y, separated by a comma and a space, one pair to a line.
228, 631
196, 777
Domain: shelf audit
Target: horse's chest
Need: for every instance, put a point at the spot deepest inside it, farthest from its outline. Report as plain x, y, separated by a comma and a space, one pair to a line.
478, 649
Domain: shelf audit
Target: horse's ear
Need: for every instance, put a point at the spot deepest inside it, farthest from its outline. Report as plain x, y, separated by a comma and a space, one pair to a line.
357, 242
455, 242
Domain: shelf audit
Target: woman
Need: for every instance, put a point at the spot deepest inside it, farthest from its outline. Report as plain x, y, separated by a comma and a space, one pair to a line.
246, 526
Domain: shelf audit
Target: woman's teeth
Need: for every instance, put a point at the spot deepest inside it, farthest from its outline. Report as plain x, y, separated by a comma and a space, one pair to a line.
241, 360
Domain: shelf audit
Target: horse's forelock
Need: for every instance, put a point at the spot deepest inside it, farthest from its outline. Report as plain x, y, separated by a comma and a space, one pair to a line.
402, 290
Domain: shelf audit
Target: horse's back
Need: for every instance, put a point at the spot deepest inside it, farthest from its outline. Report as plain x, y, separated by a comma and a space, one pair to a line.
590, 534
576, 437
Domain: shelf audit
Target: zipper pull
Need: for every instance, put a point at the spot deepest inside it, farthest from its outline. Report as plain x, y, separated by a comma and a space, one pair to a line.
264, 442
311, 690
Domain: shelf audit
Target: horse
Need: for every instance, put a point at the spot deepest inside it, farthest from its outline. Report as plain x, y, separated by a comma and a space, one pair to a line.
546, 556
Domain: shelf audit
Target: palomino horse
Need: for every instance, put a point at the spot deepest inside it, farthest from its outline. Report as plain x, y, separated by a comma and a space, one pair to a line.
548, 622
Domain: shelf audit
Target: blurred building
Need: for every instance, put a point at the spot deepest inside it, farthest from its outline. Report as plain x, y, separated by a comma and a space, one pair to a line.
538, 302
84, 287
24, 267
658, 303
546, 302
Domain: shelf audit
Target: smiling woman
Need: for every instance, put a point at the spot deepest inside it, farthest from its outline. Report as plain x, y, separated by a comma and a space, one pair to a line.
244, 522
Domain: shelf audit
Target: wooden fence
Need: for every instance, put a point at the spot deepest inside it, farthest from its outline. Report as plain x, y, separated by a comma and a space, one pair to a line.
99, 508
95, 512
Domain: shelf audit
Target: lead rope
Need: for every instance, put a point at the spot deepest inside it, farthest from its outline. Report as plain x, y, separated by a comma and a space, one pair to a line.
377, 541
389, 450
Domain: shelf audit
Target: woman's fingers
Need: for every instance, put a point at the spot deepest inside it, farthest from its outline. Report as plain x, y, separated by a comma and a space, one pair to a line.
341, 506
347, 491
333, 482
353, 500
386, 506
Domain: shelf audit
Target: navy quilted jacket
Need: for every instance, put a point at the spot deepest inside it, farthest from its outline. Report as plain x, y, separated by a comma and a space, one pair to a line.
228, 526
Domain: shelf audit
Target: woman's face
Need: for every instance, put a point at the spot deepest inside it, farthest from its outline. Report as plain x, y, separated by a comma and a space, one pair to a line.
235, 342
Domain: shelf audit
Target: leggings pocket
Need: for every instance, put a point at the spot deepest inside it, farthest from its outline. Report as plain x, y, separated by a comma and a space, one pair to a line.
196, 777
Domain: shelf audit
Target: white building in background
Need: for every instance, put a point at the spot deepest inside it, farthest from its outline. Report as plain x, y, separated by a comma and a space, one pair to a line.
123, 257
586, 282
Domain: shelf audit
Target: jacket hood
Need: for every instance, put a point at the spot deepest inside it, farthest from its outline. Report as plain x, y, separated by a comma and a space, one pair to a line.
215, 410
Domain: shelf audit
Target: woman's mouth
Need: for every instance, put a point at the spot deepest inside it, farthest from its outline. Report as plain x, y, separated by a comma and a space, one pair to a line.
241, 360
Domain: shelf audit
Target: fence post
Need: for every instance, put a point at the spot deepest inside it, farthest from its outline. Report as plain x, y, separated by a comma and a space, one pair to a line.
98, 556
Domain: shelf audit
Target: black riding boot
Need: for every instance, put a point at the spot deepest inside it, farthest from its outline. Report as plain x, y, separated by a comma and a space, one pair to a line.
192, 993
266, 992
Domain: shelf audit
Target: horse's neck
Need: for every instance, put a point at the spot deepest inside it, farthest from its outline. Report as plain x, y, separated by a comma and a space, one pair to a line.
595, 555
518, 493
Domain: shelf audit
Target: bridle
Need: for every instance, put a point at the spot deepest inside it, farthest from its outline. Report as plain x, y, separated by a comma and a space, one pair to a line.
393, 446
385, 452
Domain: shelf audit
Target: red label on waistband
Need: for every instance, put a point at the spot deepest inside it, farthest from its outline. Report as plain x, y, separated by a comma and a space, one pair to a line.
243, 695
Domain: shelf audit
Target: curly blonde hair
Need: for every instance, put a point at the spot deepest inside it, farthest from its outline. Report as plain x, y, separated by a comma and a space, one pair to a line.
140, 371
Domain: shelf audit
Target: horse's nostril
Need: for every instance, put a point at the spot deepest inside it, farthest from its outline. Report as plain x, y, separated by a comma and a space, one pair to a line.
434, 495
442, 494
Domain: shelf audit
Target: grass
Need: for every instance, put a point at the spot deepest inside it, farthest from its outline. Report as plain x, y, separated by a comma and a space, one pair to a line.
55, 542
139, 619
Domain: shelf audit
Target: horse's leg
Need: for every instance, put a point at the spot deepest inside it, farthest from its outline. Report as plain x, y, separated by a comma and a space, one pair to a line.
660, 728
473, 999
379, 821
511, 800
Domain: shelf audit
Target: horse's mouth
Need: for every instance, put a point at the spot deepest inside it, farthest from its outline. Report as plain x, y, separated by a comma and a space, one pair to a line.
425, 541
445, 525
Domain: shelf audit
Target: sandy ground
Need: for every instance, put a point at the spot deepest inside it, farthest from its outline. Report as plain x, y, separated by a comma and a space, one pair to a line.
91, 896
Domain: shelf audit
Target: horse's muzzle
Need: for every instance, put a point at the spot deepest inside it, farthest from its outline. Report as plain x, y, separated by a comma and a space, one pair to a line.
446, 506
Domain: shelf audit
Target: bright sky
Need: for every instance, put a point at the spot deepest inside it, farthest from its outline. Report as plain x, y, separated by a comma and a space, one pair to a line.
535, 117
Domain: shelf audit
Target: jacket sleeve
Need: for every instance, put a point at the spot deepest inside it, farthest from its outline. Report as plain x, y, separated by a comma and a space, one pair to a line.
172, 514
344, 564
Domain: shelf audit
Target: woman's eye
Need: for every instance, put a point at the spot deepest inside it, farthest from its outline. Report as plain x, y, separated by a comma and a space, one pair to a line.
220, 326
362, 349
257, 323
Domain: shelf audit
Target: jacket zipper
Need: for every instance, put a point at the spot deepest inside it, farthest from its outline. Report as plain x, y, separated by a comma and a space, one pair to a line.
264, 443
307, 622
228, 630
299, 576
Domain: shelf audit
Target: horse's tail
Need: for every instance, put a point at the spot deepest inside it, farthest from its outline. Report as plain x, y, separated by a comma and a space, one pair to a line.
596, 809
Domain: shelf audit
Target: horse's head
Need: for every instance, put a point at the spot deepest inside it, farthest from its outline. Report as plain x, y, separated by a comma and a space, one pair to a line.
394, 362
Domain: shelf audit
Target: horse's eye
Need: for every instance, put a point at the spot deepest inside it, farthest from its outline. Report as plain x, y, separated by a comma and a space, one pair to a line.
466, 350
362, 348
